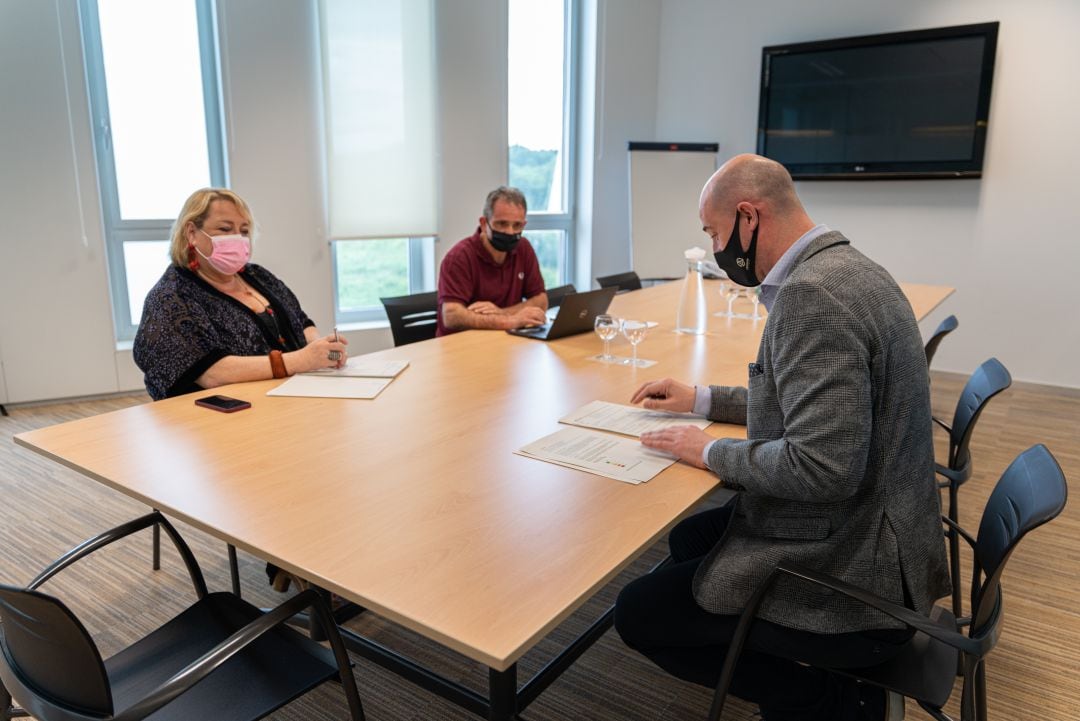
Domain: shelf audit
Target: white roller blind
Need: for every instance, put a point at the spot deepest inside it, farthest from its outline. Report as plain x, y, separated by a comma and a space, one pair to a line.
379, 90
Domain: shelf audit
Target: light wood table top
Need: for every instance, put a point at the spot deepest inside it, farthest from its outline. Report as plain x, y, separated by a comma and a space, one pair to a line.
413, 504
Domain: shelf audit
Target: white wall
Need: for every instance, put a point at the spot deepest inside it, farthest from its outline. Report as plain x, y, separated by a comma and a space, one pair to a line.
52, 262
1006, 242
664, 70
627, 59
56, 331
471, 38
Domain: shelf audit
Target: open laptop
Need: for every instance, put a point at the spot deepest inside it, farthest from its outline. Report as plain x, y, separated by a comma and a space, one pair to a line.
577, 313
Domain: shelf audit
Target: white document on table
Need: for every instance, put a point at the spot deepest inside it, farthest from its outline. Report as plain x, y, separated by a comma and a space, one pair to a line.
330, 387
363, 367
600, 453
629, 420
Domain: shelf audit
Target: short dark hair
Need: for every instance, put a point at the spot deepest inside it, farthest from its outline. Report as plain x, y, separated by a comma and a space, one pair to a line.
507, 195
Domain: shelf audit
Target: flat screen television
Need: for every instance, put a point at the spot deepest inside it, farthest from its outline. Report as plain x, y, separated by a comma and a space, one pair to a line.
897, 105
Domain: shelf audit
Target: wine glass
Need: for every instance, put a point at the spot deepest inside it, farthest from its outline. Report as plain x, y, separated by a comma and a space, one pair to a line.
723, 286
734, 290
755, 298
751, 295
607, 327
635, 331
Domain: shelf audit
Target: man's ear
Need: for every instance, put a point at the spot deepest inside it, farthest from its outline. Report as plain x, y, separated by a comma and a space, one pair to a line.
747, 214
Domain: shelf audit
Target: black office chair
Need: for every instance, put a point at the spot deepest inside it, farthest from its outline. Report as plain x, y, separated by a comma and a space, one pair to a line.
221, 658
987, 381
622, 281
1031, 492
555, 295
412, 317
944, 328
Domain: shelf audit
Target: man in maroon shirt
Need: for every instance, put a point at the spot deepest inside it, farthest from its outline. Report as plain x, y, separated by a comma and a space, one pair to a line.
492, 278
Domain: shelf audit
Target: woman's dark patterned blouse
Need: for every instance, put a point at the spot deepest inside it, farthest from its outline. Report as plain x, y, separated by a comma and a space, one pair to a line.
188, 326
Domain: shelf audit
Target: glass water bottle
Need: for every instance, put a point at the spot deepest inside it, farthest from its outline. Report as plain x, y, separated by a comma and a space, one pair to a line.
693, 315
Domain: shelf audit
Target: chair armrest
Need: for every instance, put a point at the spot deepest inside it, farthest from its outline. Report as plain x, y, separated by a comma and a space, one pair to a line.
962, 533
953, 477
901, 613
206, 664
115, 534
904, 614
943, 424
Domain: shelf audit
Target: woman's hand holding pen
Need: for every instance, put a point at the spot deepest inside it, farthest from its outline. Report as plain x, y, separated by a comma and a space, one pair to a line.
317, 355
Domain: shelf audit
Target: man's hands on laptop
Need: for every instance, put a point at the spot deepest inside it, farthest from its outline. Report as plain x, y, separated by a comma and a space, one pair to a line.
530, 316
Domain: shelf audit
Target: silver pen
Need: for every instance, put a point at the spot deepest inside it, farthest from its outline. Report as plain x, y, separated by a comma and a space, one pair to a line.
334, 354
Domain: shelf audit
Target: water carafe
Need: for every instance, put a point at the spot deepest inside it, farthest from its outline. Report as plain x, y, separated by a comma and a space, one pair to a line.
692, 317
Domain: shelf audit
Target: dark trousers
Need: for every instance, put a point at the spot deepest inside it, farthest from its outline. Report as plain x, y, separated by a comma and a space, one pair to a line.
657, 616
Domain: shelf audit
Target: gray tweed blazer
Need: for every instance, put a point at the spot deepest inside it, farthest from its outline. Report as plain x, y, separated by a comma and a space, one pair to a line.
837, 471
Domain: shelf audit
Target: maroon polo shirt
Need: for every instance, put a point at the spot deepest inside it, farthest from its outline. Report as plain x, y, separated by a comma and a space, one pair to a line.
469, 274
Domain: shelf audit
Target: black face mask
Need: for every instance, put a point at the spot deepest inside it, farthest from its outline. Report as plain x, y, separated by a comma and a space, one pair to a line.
738, 265
504, 242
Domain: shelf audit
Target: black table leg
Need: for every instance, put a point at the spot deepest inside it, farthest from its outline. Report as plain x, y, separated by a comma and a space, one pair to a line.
502, 692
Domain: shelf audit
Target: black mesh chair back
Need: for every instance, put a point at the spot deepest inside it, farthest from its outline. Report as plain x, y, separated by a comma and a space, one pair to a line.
622, 281
555, 295
412, 317
48, 648
1031, 492
944, 328
987, 381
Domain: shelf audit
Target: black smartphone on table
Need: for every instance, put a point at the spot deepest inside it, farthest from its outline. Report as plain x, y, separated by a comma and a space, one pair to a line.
225, 404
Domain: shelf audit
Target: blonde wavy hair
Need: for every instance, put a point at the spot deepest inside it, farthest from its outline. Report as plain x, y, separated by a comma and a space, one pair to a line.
195, 210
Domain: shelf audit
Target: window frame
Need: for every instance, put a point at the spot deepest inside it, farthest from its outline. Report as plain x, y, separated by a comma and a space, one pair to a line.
564, 221
118, 231
420, 258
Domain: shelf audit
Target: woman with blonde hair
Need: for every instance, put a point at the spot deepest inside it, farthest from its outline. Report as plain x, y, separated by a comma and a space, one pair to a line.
214, 318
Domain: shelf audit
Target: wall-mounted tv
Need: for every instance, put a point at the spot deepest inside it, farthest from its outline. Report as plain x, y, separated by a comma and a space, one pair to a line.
897, 105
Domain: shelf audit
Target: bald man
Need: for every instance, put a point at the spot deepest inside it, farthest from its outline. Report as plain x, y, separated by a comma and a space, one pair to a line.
836, 472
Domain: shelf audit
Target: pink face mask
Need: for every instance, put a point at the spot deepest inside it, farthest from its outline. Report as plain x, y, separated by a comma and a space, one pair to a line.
230, 254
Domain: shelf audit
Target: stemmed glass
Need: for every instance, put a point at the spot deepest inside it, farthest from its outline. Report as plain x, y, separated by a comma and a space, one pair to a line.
734, 293
724, 285
607, 327
755, 298
734, 290
635, 331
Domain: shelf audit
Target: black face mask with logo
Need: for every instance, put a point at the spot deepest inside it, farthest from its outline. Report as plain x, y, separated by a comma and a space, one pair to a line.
739, 265
504, 242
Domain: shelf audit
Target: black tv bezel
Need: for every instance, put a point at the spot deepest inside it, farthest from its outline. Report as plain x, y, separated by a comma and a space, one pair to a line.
890, 170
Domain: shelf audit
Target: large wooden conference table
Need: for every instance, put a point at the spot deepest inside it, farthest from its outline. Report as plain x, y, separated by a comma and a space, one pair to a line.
413, 504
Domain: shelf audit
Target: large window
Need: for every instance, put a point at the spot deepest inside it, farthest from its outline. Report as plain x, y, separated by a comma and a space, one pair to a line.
152, 76
541, 56
379, 95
